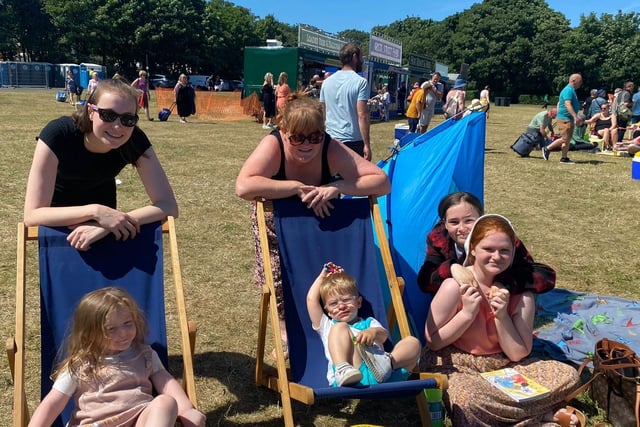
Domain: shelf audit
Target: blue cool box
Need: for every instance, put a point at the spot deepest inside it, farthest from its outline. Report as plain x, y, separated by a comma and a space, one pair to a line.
635, 167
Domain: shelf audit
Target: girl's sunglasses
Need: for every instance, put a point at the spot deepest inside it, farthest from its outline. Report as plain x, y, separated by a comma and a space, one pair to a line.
313, 138
109, 116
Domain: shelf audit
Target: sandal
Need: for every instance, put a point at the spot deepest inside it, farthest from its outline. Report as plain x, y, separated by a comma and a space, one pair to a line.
563, 417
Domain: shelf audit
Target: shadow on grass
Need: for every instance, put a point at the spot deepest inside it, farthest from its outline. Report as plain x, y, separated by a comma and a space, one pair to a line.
235, 371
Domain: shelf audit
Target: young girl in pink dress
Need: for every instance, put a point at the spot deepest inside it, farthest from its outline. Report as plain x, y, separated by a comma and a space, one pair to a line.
110, 371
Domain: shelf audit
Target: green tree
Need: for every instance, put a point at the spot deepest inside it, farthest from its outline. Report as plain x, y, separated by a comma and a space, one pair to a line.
174, 38
621, 41
270, 28
229, 29
73, 21
25, 31
357, 36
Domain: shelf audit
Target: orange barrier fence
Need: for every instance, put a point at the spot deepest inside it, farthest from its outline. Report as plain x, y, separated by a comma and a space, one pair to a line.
220, 106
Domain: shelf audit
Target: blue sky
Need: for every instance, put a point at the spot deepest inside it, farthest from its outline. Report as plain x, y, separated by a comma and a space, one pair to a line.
333, 16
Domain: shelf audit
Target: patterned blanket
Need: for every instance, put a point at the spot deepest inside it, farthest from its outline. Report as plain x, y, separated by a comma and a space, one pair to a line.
568, 324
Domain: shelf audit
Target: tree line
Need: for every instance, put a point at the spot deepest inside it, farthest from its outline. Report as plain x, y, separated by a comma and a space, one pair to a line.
514, 46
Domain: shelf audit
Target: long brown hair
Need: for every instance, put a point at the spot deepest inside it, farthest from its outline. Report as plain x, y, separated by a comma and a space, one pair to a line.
454, 199
85, 343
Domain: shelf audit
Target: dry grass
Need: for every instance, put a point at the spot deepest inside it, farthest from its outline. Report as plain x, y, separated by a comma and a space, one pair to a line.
580, 219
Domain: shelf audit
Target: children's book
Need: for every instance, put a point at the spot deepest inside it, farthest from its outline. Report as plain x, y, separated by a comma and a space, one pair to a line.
515, 385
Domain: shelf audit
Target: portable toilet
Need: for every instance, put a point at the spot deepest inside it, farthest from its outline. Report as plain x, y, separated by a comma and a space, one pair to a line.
24, 73
62, 73
37, 74
4, 74
86, 70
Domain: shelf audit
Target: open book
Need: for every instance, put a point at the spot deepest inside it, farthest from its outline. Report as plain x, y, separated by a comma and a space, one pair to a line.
516, 385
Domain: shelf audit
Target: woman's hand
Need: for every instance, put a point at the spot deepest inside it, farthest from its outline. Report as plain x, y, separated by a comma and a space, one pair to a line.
471, 299
84, 235
318, 198
499, 300
122, 225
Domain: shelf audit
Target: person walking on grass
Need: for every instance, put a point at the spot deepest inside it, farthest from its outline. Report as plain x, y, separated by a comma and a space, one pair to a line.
142, 86
566, 119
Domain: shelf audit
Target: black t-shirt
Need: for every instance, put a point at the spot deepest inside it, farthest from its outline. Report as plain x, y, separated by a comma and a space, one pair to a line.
84, 177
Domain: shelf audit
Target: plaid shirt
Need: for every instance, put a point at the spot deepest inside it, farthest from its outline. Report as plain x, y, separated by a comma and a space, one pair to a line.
523, 275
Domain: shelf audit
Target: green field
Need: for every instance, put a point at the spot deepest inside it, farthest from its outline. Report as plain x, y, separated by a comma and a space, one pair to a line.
581, 219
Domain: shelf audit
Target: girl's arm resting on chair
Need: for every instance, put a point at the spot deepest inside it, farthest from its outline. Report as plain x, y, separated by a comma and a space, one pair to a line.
49, 409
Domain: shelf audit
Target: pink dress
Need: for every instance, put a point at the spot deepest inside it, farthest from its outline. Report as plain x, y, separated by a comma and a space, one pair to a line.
120, 392
282, 92
472, 400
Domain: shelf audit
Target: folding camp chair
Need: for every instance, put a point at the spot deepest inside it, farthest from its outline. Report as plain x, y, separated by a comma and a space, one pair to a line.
67, 274
306, 242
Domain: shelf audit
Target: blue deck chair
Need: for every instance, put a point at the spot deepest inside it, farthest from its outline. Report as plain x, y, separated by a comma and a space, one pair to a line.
67, 274
306, 242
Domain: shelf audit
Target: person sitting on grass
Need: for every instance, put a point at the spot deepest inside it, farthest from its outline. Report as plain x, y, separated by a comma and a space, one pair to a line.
578, 141
605, 127
352, 345
480, 326
445, 251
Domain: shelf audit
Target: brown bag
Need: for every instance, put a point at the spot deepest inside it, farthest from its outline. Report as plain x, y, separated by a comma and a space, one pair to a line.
615, 384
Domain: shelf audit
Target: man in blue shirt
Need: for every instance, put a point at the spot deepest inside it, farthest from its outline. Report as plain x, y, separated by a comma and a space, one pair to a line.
567, 119
344, 97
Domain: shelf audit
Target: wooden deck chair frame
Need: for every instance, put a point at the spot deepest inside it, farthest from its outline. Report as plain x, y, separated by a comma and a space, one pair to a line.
278, 379
15, 346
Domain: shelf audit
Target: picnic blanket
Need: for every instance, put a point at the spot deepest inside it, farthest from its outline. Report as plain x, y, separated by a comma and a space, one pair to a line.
568, 323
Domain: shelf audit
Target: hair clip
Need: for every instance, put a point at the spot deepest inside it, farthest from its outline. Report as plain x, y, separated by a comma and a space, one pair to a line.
330, 268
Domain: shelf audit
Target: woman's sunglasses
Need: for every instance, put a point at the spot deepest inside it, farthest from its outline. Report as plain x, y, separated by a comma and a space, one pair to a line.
109, 116
299, 139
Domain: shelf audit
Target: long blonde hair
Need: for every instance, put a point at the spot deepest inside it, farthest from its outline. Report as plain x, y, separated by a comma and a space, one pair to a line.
86, 342
283, 78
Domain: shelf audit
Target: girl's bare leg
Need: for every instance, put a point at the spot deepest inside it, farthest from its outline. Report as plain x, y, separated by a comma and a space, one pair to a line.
161, 412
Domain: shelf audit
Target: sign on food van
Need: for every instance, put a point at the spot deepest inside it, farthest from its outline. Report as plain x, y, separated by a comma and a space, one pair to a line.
314, 40
420, 63
384, 49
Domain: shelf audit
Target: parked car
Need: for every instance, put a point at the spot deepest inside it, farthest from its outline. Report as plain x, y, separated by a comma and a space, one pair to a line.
229, 85
160, 80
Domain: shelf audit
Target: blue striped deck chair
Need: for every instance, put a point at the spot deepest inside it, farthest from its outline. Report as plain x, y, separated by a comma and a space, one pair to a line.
67, 274
306, 242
